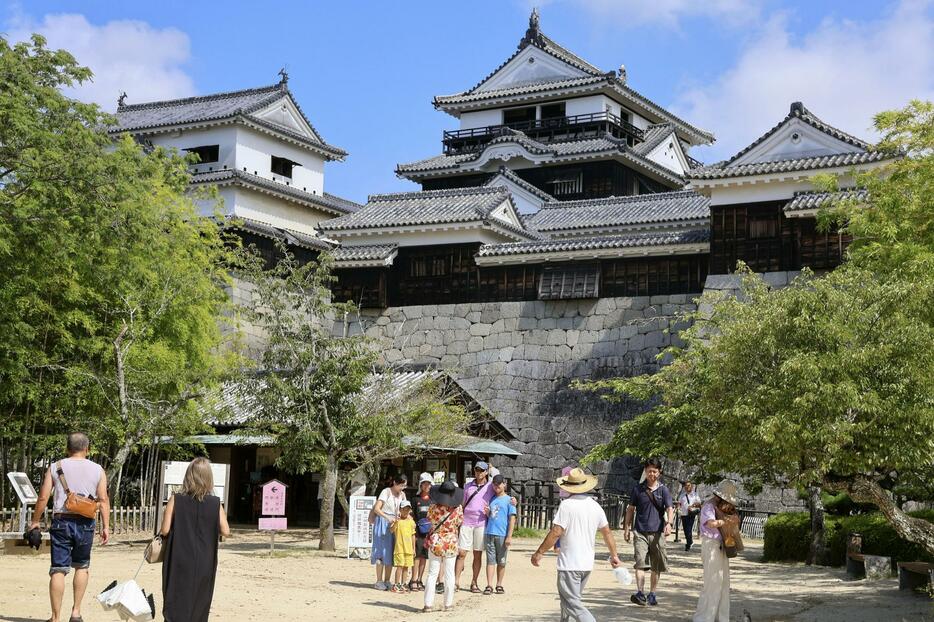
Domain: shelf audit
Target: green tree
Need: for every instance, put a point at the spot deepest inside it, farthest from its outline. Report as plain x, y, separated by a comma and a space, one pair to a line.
828, 382
311, 397
113, 282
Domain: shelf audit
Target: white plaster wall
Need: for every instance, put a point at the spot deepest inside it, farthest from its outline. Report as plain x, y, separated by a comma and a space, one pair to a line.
772, 191
226, 206
272, 210
255, 148
481, 118
666, 154
224, 137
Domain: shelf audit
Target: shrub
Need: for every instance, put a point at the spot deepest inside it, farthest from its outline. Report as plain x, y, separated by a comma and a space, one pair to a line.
787, 537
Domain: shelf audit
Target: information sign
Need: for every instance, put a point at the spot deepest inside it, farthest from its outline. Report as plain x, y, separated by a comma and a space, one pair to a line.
274, 498
359, 529
277, 523
23, 487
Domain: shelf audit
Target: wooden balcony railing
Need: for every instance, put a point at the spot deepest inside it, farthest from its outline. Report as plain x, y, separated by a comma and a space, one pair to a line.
546, 130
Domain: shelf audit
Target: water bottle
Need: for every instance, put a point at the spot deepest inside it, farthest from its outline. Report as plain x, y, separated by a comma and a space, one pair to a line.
622, 575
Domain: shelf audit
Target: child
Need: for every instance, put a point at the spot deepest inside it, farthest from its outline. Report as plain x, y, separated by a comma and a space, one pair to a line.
501, 520
403, 557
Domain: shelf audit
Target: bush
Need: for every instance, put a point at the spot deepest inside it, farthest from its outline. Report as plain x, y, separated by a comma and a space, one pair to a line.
787, 537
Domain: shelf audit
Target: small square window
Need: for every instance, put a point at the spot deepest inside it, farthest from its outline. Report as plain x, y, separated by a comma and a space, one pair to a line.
205, 153
283, 166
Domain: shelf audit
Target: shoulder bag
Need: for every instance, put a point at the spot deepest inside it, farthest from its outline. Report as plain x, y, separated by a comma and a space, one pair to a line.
731, 537
155, 551
661, 511
76, 503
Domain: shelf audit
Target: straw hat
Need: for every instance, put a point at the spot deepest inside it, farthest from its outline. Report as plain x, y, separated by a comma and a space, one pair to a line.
727, 491
577, 482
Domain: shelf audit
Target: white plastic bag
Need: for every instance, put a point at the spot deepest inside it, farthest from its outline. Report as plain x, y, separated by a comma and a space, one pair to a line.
623, 576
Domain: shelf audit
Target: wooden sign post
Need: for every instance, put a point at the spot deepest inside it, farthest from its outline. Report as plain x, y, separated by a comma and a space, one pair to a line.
273, 519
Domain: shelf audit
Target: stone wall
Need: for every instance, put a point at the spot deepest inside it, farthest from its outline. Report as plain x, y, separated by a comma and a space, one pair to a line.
518, 358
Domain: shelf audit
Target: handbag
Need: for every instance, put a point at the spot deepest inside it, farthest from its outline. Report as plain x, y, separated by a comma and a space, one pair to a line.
731, 538
155, 551
424, 526
76, 503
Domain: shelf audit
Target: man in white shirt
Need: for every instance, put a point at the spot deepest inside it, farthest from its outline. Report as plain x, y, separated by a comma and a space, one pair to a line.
689, 503
578, 519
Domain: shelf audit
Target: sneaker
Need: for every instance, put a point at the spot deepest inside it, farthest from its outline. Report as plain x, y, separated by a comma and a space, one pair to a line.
687, 547
651, 599
381, 585
638, 598
439, 589
397, 589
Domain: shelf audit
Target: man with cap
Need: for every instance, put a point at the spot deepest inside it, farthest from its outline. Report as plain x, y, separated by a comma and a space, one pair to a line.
578, 519
717, 513
477, 496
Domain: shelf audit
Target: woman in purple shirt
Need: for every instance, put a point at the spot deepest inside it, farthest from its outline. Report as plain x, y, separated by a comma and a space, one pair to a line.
714, 602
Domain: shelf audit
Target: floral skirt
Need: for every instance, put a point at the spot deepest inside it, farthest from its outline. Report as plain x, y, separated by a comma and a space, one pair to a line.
383, 543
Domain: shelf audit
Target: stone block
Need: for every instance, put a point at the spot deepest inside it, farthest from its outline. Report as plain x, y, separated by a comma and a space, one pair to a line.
651, 311
480, 330
640, 302
475, 344
722, 281
490, 314
412, 313
510, 309
430, 310
548, 323
557, 338
537, 337
658, 300
527, 323
505, 354
637, 342
562, 354
775, 280
473, 316
382, 320
571, 337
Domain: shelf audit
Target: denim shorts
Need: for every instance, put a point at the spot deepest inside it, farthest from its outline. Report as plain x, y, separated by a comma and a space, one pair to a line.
72, 537
496, 550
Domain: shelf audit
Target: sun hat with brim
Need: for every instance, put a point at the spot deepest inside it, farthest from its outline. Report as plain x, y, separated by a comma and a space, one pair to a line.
577, 481
727, 491
426, 477
447, 493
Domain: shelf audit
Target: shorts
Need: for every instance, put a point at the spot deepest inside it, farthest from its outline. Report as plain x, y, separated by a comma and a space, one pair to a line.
650, 551
72, 537
403, 560
496, 550
471, 539
421, 551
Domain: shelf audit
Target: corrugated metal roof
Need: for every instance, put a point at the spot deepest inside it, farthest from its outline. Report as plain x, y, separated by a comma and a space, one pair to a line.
640, 209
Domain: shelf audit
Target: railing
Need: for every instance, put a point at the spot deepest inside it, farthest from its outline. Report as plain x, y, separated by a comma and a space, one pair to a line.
123, 520
558, 128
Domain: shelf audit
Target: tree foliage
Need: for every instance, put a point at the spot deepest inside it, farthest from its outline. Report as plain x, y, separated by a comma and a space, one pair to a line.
829, 381
113, 282
311, 393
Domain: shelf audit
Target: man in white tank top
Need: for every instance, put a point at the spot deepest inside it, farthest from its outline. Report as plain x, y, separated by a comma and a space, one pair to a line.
72, 534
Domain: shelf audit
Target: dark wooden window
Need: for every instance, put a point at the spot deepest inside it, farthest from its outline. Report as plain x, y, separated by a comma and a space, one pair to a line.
570, 281
365, 287
518, 115
553, 111
282, 166
653, 276
205, 153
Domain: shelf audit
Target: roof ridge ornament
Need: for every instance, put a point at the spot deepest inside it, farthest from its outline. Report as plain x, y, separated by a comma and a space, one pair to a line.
533, 36
121, 99
283, 77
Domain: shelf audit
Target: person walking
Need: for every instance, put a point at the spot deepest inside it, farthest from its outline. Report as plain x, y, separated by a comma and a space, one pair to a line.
578, 519
649, 515
78, 488
385, 513
478, 494
421, 505
446, 516
717, 515
192, 521
689, 505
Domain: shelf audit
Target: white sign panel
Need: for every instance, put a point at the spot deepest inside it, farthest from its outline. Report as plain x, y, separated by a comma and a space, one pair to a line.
23, 487
359, 529
173, 474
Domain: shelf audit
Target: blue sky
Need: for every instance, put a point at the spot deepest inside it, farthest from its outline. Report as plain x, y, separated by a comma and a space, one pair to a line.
365, 71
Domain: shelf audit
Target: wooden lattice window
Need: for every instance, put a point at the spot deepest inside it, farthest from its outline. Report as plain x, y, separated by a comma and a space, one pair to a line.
569, 282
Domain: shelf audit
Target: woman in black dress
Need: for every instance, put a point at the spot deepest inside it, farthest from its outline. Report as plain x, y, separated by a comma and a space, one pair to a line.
192, 522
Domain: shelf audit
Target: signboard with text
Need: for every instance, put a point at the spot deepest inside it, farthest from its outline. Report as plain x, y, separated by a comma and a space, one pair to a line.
359, 529
23, 487
274, 498
277, 523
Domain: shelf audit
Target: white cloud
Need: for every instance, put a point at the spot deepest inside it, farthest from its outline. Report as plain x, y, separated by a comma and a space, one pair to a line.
843, 71
666, 13
125, 55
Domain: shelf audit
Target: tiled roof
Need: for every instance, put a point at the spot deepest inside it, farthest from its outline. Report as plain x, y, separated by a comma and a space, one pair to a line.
567, 149
798, 111
325, 202
721, 170
217, 107
654, 135
289, 237
521, 88
808, 201
426, 207
633, 240
507, 173
643, 209
368, 252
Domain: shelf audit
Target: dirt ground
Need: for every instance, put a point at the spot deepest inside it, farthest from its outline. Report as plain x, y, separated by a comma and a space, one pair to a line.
299, 583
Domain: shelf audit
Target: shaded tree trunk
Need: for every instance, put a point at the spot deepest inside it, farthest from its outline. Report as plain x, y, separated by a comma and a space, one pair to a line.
866, 490
816, 549
326, 516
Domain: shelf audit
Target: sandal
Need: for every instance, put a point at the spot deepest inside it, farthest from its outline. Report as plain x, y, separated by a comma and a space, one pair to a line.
500, 590
413, 586
474, 588
487, 591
